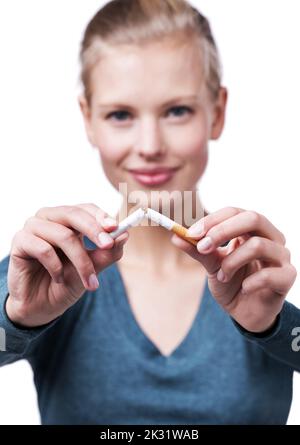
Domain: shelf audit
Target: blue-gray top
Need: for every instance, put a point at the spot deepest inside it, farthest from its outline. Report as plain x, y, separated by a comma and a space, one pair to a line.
94, 364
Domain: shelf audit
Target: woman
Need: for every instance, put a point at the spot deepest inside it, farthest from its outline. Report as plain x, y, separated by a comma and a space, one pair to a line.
174, 333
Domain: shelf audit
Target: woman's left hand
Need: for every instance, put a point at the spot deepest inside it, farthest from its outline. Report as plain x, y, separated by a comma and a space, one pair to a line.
255, 265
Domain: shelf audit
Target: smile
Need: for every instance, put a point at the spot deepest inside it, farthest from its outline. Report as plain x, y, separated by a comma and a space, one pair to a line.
157, 176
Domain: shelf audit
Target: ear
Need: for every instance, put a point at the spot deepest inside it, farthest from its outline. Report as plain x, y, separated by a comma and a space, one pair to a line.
86, 113
219, 112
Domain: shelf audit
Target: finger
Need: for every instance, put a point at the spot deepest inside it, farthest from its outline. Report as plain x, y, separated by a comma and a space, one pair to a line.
94, 210
246, 222
254, 221
79, 219
89, 245
27, 246
201, 227
106, 221
64, 238
254, 248
103, 258
107, 224
278, 279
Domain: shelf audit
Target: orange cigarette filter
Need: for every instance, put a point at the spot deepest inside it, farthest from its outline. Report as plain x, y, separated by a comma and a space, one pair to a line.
182, 232
169, 224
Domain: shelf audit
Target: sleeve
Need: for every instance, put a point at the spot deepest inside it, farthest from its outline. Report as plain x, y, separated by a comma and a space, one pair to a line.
282, 341
16, 342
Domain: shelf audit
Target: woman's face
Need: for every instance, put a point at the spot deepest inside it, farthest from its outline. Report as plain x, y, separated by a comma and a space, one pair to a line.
149, 110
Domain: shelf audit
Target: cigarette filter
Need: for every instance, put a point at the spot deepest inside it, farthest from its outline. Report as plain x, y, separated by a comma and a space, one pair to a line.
169, 224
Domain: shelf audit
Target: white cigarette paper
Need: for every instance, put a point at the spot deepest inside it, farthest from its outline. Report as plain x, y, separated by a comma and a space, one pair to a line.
132, 220
160, 219
136, 217
169, 224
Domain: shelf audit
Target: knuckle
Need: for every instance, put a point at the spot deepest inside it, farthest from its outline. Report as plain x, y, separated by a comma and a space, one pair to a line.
57, 270
91, 204
233, 210
67, 236
217, 233
264, 277
94, 229
29, 222
16, 240
256, 244
17, 236
85, 265
100, 214
254, 217
287, 254
64, 208
293, 271
45, 250
86, 205
41, 212
283, 238
227, 208
69, 210
228, 264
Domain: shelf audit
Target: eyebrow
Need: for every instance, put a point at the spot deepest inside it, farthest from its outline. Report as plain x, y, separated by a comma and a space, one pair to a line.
169, 102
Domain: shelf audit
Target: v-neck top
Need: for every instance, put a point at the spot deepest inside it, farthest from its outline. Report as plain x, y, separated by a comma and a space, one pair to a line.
139, 340
95, 365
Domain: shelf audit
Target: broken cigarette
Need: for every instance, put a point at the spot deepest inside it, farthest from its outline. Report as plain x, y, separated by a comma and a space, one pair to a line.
169, 224
136, 217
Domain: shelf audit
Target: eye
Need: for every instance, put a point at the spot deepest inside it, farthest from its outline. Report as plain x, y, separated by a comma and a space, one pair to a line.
122, 115
180, 110
119, 115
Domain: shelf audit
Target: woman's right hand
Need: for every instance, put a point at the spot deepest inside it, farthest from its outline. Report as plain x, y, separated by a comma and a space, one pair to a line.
49, 267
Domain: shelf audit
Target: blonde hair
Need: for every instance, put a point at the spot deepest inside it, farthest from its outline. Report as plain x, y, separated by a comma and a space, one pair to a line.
140, 22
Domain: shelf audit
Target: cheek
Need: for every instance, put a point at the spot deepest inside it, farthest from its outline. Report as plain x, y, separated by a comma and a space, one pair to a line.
111, 144
192, 147
112, 151
191, 144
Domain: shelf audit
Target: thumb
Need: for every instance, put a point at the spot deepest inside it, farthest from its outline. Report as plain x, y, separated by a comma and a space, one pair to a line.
211, 262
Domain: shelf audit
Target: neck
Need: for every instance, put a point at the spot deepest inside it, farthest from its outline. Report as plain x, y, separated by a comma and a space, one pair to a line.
151, 246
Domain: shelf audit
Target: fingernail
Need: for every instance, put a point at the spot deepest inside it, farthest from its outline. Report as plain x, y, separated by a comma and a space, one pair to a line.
109, 221
204, 244
93, 281
196, 230
221, 275
104, 239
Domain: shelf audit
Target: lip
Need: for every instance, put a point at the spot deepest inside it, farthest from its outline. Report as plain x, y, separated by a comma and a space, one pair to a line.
154, 176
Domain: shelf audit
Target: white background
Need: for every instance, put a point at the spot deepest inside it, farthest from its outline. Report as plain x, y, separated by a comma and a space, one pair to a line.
45, 159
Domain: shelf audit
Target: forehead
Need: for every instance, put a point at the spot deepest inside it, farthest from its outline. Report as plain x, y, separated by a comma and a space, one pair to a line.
156, 70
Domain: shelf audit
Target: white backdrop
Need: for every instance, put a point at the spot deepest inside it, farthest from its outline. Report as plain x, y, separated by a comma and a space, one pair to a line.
45, 159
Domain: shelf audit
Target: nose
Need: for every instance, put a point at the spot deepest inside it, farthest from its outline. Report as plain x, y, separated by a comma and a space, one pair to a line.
150, 142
